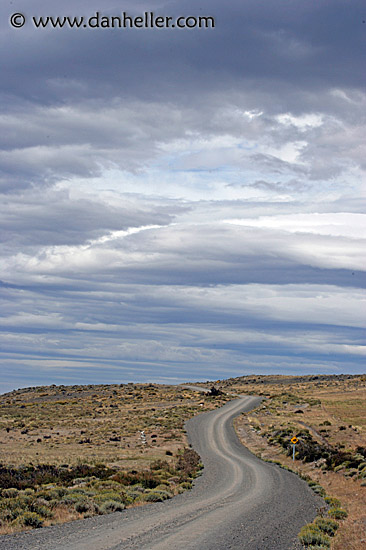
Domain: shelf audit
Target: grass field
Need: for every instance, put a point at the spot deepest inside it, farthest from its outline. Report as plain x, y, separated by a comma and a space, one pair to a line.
75, 451
328, 417
96, 423
71, 452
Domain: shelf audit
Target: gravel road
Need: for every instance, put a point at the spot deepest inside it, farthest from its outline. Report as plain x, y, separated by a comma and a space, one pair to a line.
239, 502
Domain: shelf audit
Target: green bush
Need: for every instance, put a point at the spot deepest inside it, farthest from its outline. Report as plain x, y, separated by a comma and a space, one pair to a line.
156, 496
77, 490
109, 495
10, 513
164, 493
40, 509
10, 493
87, 507
132, 495
82, 506
351, 472
319, 490
111, 506
70, 500
326, 525
148, 479
337, 513
28, 491
54, 503
30, 519
317, 547
160, 465
310, 535
186, 485
106, 485
333, 502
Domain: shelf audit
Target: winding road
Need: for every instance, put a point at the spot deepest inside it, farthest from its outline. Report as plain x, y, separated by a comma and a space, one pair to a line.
239, 502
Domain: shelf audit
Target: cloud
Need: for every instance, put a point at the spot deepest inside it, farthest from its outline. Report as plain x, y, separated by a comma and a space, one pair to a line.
183, 201
56, 217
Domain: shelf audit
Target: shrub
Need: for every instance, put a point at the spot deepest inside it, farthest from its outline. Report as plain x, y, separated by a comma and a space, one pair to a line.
326, 525
310, 535
351, 472
318, 490
54, 503
29, 476
77, 490
147, 479
153, 497
188, 461
70, 500
82, 506
109, 495
40, 509
10, 493
333, 502
28, 491
10, 513
337, 513
30, 519
317, 547
165, 494
107, 484
87, 507
160, 465
111, 506
186, 485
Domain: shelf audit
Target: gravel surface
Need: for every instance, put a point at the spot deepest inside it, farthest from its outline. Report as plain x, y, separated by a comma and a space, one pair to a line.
239, 502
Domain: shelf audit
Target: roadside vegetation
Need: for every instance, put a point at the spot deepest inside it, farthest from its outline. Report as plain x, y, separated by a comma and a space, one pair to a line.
73, 452
70, 452
35, 496
328, 416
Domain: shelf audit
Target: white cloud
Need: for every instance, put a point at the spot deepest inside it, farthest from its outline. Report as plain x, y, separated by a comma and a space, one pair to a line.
337, 224
304, 122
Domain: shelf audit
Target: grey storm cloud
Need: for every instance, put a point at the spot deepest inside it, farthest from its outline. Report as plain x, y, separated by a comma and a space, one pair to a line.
288, 42
44, 144
79, 101
55, 218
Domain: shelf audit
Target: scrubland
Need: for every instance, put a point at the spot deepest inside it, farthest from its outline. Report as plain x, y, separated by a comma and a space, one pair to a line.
328, 416
68, 452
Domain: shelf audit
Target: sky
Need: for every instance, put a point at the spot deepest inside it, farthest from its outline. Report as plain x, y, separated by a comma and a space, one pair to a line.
182, 203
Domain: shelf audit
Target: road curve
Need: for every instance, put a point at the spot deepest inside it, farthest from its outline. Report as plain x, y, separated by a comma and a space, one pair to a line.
239, 502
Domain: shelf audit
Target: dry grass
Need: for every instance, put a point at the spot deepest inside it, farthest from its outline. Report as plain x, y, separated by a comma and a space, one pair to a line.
102, 424
96, 424
334, 411
63, 438
62, 514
